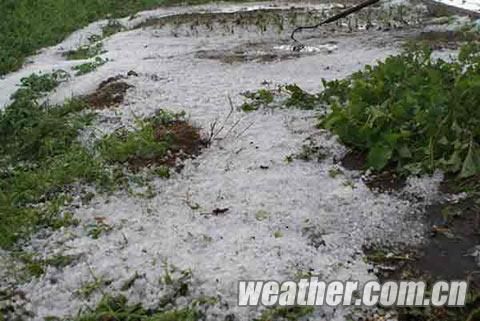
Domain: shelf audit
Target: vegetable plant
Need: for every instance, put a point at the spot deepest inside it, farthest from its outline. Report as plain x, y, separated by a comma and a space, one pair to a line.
411, 112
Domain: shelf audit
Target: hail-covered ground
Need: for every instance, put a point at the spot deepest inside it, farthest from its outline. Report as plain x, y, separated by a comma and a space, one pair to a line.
472, 5
283, 219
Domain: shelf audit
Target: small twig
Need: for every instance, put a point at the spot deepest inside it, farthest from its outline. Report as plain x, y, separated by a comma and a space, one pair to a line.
244, 130
125, 239
213, 125
232, 127
299, 46
213, 133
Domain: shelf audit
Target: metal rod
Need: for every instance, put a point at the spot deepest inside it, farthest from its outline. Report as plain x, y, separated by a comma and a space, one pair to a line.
342, 14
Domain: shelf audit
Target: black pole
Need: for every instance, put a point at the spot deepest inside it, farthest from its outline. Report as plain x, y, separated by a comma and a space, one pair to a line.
342, 14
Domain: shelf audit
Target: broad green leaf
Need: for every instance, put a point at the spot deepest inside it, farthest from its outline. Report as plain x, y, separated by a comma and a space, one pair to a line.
471, 164
378, 156
453, 163
404, 151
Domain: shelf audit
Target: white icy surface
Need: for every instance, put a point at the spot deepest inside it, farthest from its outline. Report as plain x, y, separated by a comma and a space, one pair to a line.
472, 5
235, 246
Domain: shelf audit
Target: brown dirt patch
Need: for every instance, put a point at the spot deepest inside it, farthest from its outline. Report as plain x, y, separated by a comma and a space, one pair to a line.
385, 181
451, 184
109, 93
185, 141
453, 234
354, 160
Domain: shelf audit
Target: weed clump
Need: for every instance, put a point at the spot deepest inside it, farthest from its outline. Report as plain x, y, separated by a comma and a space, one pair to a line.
28, 265
300, 99
112, 27
89, 66
287, 96
36, 86
412, 112
84, 52
258, 99
160, 140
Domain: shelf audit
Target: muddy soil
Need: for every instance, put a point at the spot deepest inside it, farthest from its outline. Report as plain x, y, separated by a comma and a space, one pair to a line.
110, 93
386, 181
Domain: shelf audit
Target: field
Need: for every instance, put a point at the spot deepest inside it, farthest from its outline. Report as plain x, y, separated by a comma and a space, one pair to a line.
149, 160
28, 26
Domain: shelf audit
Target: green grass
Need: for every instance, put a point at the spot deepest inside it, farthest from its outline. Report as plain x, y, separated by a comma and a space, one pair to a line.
40, 155
117, 308
292, 313
411, 112
30, 25
31, 266
141, 145
27, 26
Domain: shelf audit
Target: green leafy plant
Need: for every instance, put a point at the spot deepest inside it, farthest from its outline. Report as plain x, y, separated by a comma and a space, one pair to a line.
288, 96
85, 52
412, 112
256, 100
298, 98
89, 66
38, 85
97, 229
113, 26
